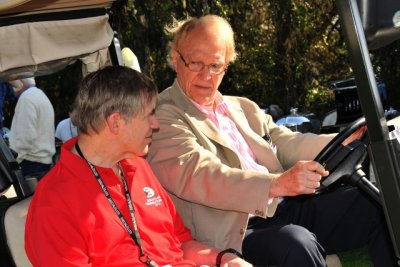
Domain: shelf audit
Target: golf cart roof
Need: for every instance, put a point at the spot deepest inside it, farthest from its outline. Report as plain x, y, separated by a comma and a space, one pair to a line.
43, 36
24, 6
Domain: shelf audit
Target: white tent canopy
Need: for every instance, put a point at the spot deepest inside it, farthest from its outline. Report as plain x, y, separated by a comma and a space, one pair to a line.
38, 46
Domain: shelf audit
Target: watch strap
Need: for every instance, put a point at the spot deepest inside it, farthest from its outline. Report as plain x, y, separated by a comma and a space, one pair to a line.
223, 252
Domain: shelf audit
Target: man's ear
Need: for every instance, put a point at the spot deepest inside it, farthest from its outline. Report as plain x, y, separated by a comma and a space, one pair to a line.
174, 58
114, 122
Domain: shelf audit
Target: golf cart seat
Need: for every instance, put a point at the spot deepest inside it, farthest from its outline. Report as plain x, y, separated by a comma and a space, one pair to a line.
13, 211
15, 195
14, 230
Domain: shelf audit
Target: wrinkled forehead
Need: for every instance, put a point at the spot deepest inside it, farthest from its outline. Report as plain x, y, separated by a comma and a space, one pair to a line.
204, 40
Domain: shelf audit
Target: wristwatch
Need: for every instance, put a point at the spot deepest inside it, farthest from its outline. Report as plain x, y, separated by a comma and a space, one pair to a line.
223, 252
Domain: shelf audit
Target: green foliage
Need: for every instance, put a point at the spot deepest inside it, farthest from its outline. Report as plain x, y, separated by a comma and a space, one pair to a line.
286, 48
289, 51
387, 68
355, 258
319, 100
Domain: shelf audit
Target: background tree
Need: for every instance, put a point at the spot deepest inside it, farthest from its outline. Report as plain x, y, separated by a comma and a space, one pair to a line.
289, 51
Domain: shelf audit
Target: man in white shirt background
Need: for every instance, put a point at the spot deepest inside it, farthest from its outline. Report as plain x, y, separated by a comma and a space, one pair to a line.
32, 130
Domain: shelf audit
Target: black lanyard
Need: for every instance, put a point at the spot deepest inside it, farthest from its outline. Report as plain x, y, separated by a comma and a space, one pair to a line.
133, 233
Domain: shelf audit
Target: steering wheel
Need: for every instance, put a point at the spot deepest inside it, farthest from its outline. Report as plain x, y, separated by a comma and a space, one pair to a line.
344, 162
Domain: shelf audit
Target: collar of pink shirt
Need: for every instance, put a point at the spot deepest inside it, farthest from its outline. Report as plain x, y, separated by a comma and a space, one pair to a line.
219, 116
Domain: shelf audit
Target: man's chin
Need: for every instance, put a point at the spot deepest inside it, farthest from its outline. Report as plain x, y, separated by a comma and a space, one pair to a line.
143, 152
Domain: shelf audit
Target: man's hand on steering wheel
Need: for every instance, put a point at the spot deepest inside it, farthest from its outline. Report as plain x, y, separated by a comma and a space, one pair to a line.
303, 178
342, 155
306, 177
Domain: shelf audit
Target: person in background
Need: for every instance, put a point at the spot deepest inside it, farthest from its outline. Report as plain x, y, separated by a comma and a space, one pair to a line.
32, 130
6, 94
234, 174
101, 204
65, 129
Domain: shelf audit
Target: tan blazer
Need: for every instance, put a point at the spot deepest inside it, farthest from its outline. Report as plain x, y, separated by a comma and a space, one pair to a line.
213, 195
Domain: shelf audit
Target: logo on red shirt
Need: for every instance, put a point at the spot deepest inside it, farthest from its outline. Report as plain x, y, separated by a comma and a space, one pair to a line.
152, 199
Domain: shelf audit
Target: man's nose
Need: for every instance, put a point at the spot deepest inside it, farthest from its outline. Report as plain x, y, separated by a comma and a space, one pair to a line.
205, 73
154, 124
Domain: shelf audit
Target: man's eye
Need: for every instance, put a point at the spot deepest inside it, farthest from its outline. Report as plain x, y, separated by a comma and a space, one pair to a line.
196, 63
216, 66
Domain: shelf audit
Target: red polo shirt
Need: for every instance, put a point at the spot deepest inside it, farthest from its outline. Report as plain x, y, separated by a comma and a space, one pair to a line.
71, 223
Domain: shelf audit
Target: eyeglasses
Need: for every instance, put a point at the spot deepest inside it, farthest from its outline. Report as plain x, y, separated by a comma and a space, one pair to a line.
197, 66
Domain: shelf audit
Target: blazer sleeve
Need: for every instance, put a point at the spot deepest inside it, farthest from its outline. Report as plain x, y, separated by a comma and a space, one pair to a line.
291, 146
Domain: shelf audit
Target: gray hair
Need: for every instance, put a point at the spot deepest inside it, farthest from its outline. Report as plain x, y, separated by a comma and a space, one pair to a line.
179, 30
111, 89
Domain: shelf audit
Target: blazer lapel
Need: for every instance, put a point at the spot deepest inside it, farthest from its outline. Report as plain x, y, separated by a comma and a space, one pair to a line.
197, 117
262, 149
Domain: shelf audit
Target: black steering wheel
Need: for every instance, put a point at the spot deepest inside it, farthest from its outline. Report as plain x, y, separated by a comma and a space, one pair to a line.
344, 163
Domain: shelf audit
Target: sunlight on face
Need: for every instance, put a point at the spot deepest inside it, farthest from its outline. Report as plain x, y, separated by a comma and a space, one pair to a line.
205, 46
138, 132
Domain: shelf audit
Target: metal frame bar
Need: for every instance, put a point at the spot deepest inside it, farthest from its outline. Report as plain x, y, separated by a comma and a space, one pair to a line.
383, 151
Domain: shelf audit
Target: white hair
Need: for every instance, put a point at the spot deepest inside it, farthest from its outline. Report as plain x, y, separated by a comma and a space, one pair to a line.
29, 81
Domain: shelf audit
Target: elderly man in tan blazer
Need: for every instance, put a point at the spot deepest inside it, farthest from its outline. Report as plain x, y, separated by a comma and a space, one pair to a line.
223, 161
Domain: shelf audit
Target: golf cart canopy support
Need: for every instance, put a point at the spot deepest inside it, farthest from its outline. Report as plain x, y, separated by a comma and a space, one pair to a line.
384, 152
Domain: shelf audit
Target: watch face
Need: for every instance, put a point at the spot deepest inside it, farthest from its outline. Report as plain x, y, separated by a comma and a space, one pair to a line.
6, 4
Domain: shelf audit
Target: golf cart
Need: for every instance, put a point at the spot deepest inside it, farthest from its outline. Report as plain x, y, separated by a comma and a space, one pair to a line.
368, 25
38, 38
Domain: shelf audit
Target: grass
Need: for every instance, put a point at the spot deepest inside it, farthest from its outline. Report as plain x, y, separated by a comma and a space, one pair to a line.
355, 258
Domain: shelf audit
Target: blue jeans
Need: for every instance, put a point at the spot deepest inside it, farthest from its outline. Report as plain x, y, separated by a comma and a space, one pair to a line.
34, 169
